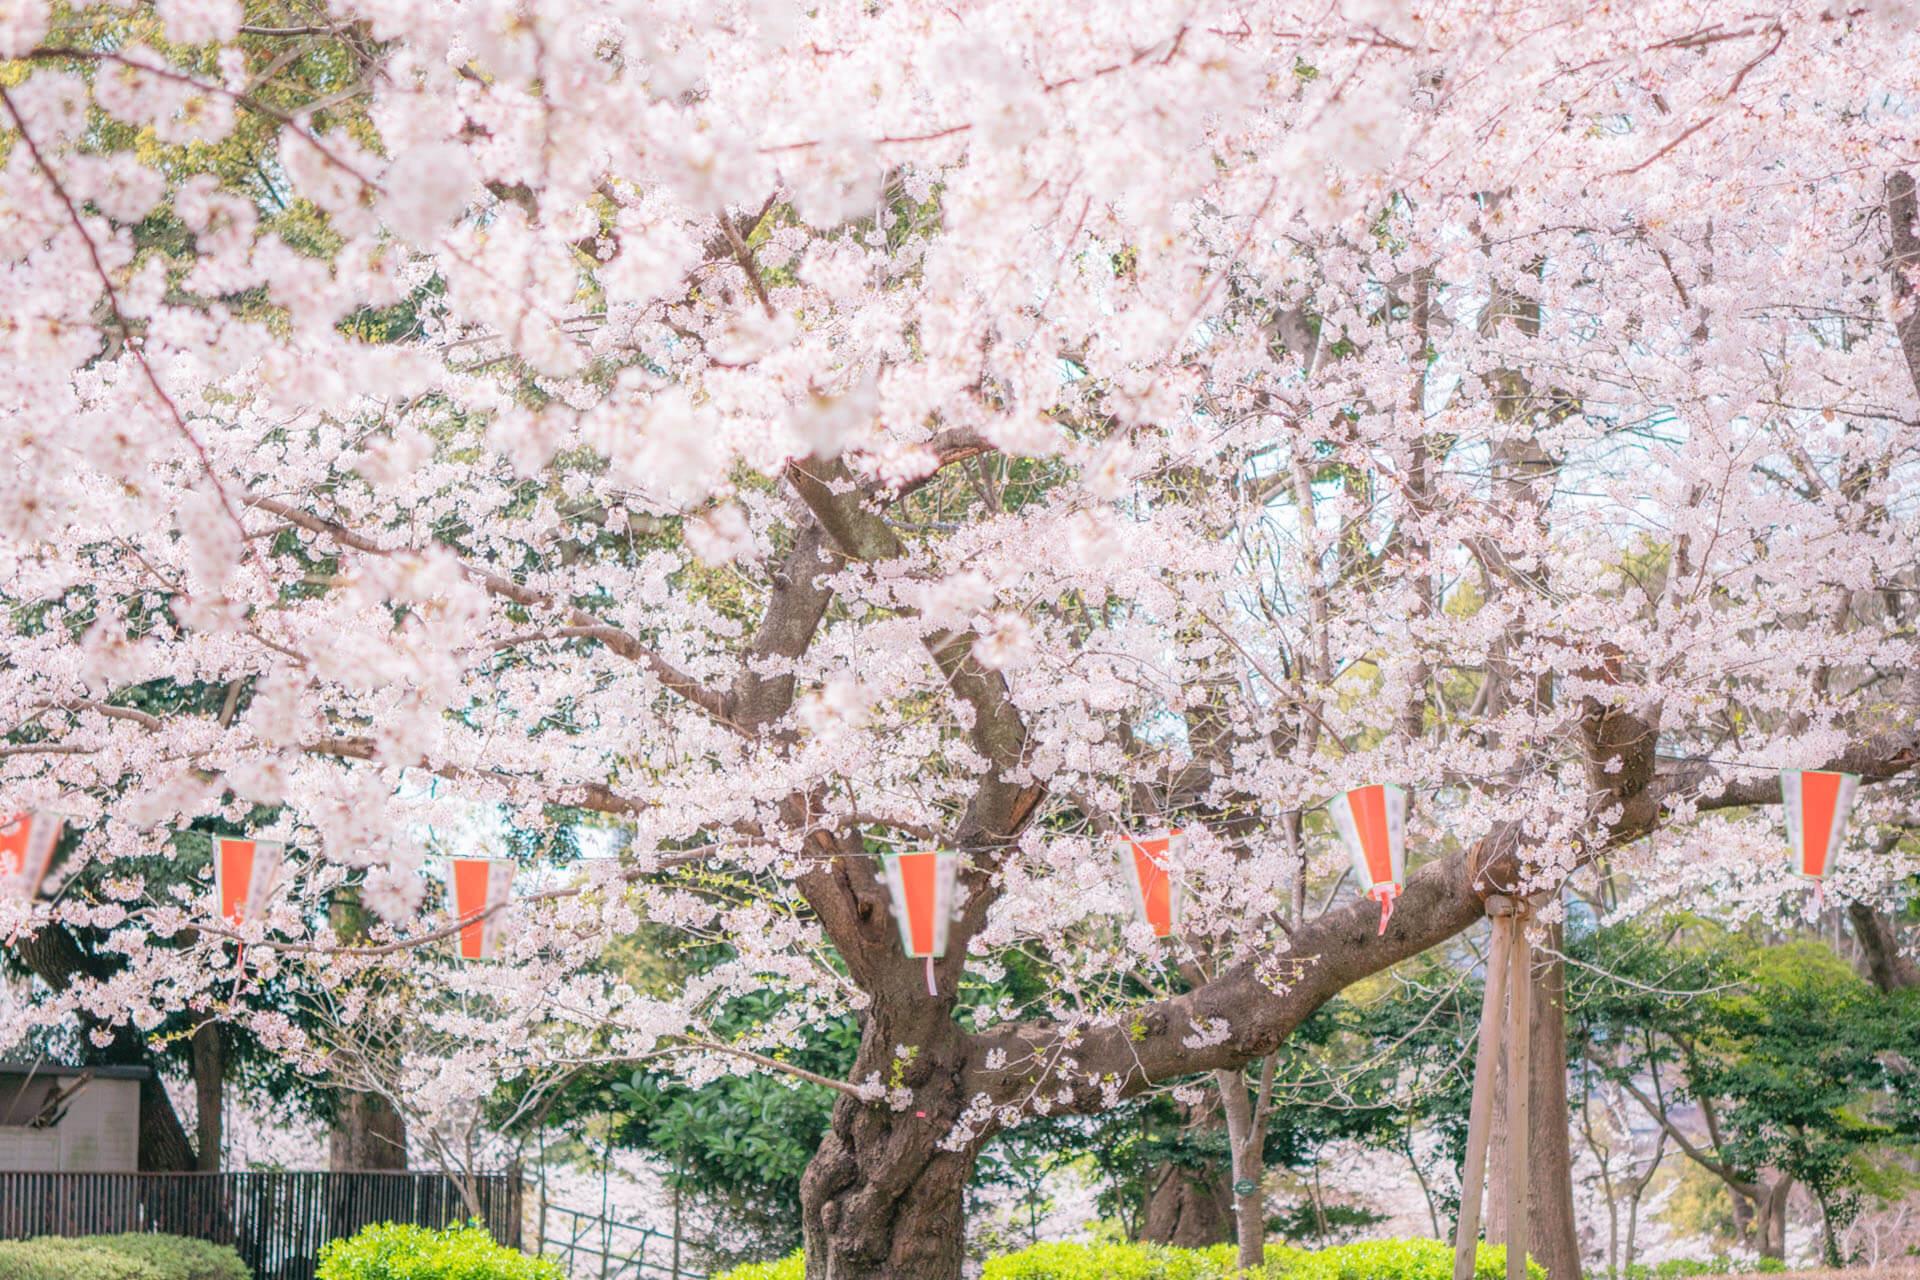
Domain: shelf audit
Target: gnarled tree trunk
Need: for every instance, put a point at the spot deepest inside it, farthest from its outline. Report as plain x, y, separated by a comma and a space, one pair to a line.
882, 1197
1186, 1206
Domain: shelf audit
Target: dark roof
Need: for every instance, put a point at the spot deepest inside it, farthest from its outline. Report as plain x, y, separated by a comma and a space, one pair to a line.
58, 1071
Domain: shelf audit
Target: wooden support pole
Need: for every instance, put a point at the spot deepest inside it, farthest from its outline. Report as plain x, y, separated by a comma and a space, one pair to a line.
1473, 1178
1519, 1078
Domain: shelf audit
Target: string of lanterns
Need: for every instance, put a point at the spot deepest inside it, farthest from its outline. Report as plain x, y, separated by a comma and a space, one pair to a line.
1370, 821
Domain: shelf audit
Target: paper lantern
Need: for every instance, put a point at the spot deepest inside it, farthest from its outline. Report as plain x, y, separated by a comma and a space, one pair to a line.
26, 853
243, 876
1817, 804
481, 887
1372, 822
1158, 898
921, 885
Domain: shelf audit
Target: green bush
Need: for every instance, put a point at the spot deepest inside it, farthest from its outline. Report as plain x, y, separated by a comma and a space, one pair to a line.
391, 1251
1680, 1268
1367, 1260
791, 1267
141, 1256
176, 1257
68, 1260
1396, 1260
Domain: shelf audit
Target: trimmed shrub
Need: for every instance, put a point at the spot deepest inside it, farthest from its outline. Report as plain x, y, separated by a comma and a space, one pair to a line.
176, 1257
1367, 1260
791, 1267
141, 1256
50, 1259
1061, 1261
1396, 1260
393, 1251
1679, 1268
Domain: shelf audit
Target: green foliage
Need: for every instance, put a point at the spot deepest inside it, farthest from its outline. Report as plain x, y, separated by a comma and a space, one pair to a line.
68, 1260
176, 1257
791, 1267
1803, 1063
739, 1143
392, 1251
1367, 1260
1061, 1261
1394, 1260
1721, 1265
135, 1256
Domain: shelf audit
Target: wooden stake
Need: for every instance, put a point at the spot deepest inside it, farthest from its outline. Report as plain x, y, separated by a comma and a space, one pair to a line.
1519, 1020
1466, 1232
1486, 1069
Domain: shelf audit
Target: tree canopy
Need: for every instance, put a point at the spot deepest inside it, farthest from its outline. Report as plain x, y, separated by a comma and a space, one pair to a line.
732, 441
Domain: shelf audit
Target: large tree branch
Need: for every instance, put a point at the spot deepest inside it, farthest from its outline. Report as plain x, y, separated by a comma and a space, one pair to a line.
1171, 1038
1904, 266
1888, 751
1000, 806
795, 608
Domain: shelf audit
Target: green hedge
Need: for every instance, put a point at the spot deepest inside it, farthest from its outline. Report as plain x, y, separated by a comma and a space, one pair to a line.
1679, 1268
1368, 1260
391, 1251
124, 1257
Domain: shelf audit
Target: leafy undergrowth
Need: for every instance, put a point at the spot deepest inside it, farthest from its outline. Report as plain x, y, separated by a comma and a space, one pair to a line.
1366, 1260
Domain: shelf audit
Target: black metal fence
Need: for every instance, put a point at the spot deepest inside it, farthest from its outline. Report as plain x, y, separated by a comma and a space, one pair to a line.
277, 1221
590, 1246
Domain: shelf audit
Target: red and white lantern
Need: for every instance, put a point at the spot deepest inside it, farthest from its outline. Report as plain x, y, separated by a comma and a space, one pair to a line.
243, 876
1817, 804
921, 885
1146, 866
480, 888
1372, 822
26, 853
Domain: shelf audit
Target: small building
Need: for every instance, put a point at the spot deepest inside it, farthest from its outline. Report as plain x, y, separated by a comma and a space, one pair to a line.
57, 1119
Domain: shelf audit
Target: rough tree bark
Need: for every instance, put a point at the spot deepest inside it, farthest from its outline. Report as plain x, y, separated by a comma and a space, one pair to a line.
1186, 1206
367, 1134
209, 1095
882, 1197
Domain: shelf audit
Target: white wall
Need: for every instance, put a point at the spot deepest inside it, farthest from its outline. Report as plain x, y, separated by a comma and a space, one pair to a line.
100, 1133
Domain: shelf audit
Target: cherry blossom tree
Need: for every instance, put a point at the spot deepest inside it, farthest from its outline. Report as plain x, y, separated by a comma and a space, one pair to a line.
787, 434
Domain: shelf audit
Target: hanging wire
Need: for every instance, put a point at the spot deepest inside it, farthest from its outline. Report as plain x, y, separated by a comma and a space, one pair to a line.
998, 845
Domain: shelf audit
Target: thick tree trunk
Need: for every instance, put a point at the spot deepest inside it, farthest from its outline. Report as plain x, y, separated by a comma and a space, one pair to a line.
883, 1199
368, 1134
1188, 1208
210, 1095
